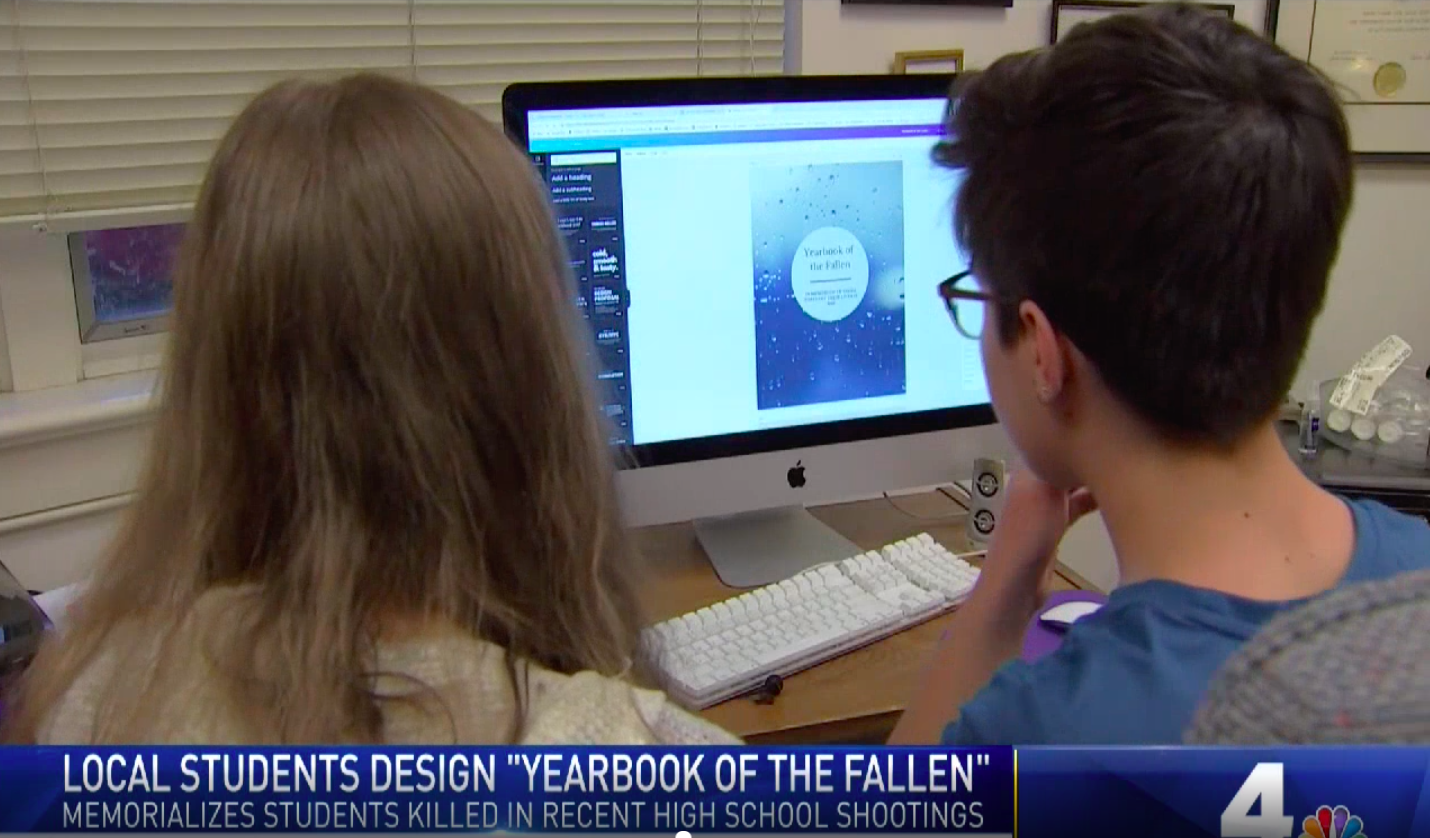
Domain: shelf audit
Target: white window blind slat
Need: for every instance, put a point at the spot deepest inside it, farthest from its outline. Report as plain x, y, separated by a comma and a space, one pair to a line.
16, 139
110, 104
160, 105
159, 89
22, 187
213, 14
64, 74
63, 41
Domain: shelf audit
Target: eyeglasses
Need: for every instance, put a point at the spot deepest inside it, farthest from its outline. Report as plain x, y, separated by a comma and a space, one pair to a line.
963, 288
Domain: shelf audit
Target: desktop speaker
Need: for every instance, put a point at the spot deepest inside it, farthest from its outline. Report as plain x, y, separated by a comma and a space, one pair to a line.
986, 492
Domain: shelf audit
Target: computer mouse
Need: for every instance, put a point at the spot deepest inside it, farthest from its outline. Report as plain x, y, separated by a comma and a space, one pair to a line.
1064, 615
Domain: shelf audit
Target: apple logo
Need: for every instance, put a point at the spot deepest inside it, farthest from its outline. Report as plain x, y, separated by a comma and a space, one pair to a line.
795, 476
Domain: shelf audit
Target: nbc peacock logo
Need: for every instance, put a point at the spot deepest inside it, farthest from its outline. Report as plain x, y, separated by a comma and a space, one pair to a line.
1337, 822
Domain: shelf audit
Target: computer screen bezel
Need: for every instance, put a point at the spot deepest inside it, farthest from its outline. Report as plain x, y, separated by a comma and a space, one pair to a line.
520, 99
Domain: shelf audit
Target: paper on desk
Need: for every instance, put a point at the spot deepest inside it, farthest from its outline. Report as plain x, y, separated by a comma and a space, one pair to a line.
56, 603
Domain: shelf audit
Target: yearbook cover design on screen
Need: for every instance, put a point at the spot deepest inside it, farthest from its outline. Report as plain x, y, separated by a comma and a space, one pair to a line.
829, 281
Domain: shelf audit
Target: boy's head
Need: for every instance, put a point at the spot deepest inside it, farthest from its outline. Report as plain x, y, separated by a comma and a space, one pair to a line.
1155, 204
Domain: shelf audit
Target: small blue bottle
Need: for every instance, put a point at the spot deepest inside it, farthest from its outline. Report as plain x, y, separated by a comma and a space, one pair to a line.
1310, 422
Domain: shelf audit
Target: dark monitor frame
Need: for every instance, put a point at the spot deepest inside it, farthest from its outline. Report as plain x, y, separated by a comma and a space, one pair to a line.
520, 99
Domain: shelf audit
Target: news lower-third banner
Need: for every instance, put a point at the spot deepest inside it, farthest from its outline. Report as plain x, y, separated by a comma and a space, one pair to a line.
687, 792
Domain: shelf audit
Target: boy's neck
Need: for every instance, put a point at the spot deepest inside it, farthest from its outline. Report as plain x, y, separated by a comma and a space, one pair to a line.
1244, 522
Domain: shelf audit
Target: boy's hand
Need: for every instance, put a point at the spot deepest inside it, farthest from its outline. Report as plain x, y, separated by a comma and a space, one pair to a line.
987, 630
1023, 554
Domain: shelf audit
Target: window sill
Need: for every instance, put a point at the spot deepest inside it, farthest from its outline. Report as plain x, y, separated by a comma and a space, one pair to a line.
90, 406
109, 358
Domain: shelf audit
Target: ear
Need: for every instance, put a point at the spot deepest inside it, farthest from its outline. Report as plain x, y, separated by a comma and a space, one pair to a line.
1051, 364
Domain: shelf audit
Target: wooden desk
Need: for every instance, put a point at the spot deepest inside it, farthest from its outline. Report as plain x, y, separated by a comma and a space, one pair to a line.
856, 697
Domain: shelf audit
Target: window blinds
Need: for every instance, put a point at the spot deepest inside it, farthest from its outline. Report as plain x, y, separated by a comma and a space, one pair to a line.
112, 104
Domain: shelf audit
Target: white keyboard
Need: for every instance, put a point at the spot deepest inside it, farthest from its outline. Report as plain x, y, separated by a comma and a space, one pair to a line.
733, 646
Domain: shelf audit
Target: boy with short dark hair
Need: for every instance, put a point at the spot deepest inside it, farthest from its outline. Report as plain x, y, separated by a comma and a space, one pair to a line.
1151, 209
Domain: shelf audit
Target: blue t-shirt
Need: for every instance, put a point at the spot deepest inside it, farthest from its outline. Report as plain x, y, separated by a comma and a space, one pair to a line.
1134, 672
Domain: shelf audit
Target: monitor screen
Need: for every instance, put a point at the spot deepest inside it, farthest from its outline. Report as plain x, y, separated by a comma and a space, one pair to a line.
753, 266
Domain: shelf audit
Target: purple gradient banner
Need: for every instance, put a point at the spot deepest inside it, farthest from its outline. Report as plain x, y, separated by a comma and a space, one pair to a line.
577, 791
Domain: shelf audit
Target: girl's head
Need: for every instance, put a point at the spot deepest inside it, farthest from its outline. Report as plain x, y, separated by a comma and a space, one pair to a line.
376, 412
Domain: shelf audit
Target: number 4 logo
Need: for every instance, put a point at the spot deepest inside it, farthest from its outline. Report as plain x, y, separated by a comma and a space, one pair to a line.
1265, 783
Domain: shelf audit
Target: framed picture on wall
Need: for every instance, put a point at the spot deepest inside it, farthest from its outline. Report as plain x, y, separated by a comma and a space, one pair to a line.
1377, 54
928, 61
1067, 13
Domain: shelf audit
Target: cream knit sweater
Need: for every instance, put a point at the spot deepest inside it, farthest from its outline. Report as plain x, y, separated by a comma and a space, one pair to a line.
467, 675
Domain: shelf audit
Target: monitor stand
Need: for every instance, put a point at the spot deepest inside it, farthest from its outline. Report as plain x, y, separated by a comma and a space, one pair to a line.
757, 548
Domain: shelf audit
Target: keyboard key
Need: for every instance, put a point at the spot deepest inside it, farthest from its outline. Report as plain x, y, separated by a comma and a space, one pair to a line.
773, 656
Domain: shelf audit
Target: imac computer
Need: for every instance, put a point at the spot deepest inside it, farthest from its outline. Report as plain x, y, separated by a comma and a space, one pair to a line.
758, 260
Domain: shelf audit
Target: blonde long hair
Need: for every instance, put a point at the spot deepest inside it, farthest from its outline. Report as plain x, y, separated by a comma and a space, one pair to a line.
376, 410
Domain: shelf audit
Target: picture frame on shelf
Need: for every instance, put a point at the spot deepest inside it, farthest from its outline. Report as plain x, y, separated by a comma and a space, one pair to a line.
1377, 55
1069, 13
928, 61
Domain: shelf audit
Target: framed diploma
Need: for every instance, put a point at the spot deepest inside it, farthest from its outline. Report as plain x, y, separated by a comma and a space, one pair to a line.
1377, 53
1067, 14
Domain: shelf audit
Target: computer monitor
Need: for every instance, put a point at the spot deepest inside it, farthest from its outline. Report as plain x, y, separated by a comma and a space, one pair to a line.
758, 260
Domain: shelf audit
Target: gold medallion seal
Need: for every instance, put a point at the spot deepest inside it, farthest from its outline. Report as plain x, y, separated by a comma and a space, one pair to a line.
1389, 79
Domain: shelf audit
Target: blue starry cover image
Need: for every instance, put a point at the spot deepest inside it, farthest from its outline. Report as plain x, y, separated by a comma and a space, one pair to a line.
829, 281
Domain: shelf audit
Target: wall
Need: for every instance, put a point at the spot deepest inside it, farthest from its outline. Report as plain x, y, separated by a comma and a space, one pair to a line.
1379, 284
46, 555
826, 36
69, 456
